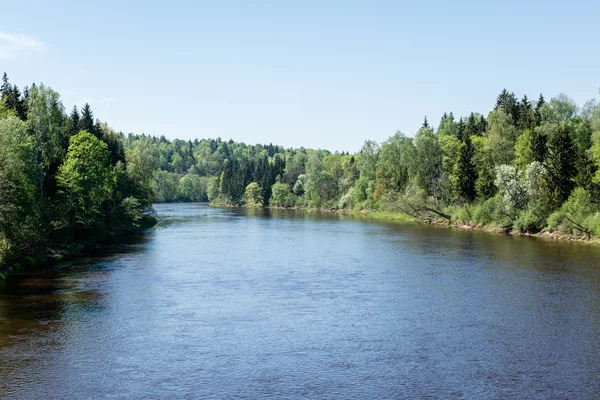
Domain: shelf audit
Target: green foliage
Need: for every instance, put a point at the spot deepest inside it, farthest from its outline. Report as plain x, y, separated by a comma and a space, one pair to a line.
512, 188
488, 211
561, 165
281, 195
530, 220
513, 169
524, 149
57, 183
502, 137
578, 215
253, 193
213, 189
466, 173
19, 177
86, 179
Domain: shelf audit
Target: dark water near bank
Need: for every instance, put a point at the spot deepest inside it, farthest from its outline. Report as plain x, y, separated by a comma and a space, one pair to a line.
226, 303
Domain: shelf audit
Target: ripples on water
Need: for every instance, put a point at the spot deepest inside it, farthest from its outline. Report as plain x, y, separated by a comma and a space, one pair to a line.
226, 303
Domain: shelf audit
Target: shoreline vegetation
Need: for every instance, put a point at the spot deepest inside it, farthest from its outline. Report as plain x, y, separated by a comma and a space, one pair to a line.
395, 217
67, 182
528, 167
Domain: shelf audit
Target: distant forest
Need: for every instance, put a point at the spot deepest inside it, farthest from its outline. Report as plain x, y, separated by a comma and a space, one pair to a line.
526, 165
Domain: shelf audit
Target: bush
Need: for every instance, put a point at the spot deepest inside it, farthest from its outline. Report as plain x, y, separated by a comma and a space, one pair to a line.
281, 195
346, 200
578, 215
531, 220
491, 210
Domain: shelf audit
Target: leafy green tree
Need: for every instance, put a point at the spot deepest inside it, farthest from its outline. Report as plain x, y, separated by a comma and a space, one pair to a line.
447, 126
86, 179
281, 194
560, 109
253, 193
167, 184
425, 162
502, 135
213, 189
523, 149
577, 215
45, 120
512, 189
5, 112
396, 160
332, 165
19, 205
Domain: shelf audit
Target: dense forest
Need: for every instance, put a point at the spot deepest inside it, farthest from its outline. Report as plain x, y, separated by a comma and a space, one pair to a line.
526, 165
66, 181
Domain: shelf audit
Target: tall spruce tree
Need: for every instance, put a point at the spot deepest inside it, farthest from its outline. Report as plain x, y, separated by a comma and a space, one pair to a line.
471, 127
526, 117
74, 121
561, 162
461, 130
87, 120
425, 123
482, 126
466, 173
538, 145
537, 113
6, 87
264, 177
508, 102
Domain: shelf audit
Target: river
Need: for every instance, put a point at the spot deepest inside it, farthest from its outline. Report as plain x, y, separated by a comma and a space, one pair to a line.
242, 303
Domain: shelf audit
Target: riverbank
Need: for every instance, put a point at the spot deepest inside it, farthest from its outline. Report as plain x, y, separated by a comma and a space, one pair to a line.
403, 218
51, 252
387, 216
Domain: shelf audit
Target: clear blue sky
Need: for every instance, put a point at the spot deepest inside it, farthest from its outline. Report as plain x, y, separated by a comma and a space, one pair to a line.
326, 74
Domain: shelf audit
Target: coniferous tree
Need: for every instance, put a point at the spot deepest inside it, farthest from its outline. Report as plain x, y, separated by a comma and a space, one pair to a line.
74, 121
264, 177
508, 102
526, 117
13, 99
232, 181
538, 145
471, 127
6, 87
87, 120
537, 114
482, 126
278, 168
561, 161
466, 173
425, 123
461, 130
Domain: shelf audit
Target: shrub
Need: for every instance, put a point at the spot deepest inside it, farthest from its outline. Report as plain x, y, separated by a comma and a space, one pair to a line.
531, 220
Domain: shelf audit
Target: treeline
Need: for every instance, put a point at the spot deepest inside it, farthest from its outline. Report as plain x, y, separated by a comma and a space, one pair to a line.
65, 180
526, 165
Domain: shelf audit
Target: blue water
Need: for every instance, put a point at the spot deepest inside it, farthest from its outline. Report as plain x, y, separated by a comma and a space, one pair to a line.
232, 303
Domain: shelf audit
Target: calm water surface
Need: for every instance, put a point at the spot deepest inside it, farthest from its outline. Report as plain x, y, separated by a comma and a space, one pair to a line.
227, 303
